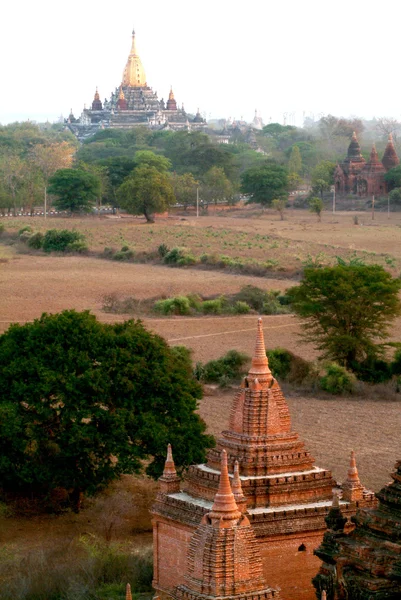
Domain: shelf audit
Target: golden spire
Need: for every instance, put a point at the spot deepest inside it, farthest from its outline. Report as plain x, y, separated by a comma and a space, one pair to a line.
134, 73
121, 94
171, 94
224, 506
260, 365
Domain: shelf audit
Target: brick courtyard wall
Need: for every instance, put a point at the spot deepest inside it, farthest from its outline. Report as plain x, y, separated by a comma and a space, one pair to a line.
170, 546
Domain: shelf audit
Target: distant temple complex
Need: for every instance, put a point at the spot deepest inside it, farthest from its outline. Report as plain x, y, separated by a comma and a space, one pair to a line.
132, 104
281, 498
356, 176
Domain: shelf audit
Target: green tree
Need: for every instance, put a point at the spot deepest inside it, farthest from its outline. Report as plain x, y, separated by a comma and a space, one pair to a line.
316, 206
118, 168
279, 205
50, 158
323, 177
395, 196
393, 177
265, 182
215, 185
295, 161
82, 402
346, 309
76, 190
150, 159
184, 187
145, 192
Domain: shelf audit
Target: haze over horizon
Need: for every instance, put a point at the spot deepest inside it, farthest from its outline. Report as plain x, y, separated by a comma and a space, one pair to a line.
303, 59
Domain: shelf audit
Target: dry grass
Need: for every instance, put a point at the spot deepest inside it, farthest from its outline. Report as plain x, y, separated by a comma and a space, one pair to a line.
287, 244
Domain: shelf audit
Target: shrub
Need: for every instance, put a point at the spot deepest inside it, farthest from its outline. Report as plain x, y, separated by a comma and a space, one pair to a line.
109, 252
241, 308
58, 240
162, 250
35, 241
373, 370
253, 296
224, 369
396, 364
124, 254
195, 302
284, 364
2, 228
179, 305
79, 246
27, 228
212, 307
337, 380
25, 236
280, 362
179, 256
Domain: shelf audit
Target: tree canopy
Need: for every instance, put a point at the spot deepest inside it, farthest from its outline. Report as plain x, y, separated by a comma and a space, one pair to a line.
146, 191
347, 309
76, 190
264, 183
82, 402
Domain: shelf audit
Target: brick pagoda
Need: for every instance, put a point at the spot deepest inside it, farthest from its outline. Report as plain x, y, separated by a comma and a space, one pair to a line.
285, 495
364, 564
356, 176
223, 557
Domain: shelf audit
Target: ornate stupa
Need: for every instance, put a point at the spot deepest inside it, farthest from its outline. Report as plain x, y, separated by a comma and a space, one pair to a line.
365, 564
390, 158
133, 103
277, 485
356, 176
223, 557
134, 73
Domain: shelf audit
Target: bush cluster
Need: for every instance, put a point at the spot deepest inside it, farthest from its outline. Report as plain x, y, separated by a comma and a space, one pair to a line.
54, 240
2, 228
288, 366
177, 256
249, 299
224, 370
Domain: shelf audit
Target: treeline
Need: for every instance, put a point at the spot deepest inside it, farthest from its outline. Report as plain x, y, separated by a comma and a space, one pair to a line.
127, 168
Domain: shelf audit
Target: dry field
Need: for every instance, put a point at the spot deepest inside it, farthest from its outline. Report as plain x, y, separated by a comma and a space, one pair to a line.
331, 427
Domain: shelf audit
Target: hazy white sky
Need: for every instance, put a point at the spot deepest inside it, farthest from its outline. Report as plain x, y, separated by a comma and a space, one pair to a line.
226, 57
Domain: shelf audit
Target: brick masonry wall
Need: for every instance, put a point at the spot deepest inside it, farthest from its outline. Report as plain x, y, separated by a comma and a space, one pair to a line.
290, 569
170, 546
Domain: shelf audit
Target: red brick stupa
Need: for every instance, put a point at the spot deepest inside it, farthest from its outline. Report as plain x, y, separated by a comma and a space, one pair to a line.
277, 485
364, 564
223, 556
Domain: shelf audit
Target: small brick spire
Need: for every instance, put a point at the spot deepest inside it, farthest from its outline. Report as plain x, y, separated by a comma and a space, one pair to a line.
390, 158
352, 487
260, 364
224, 507
236, 486
128, 595
169, 482
335, 519
169, 466
324, 595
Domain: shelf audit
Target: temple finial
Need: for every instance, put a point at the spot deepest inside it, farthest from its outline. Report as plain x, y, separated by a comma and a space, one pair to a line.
353, 471
224, 506
128, 595
390, 137
354, 135
324, 596
260, 364
169, 466
236, 486
336, 501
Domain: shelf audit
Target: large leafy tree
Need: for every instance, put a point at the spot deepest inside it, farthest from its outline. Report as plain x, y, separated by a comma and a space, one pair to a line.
393, 177
75, 190
264, 183
50, 158
82, 402
216, 186
323, 177
184, 187
146, 191
347, 310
